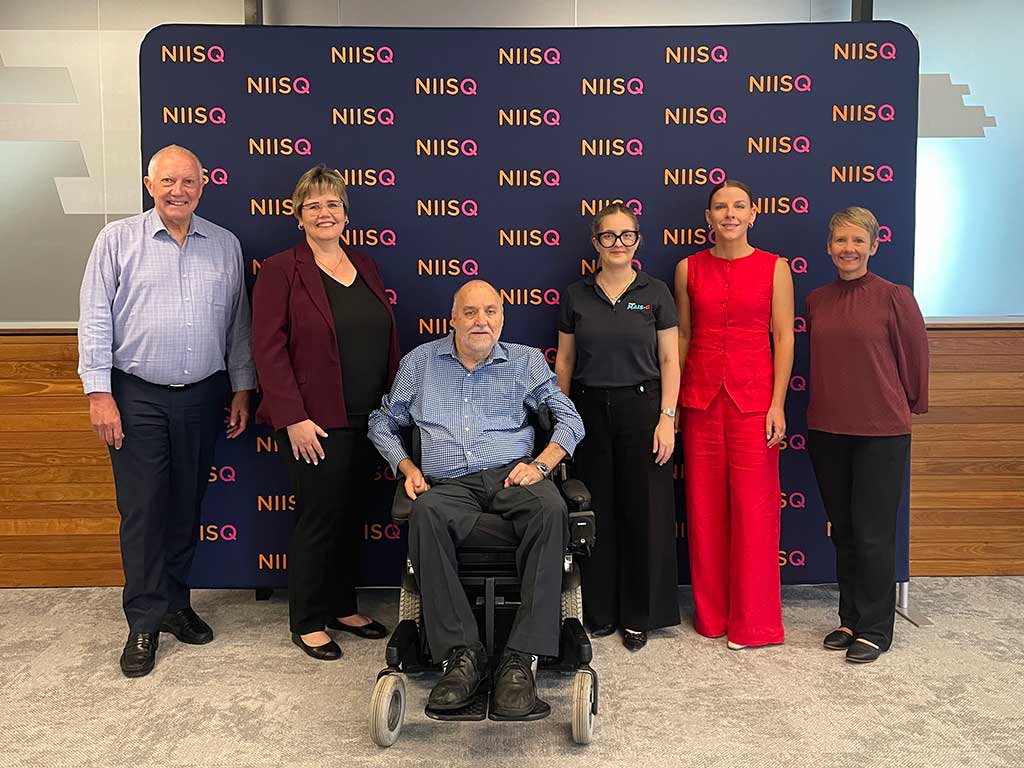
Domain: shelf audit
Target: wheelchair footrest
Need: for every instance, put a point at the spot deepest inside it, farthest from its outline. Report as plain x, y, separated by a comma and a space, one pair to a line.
540, 710
475, 710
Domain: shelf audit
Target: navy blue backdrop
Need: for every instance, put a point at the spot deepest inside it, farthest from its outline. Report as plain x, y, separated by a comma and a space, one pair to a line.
487, 151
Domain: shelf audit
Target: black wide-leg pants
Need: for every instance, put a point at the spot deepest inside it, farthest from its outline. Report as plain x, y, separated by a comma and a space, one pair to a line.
861, 483
631, 577
160, 475
323, 553
476, 509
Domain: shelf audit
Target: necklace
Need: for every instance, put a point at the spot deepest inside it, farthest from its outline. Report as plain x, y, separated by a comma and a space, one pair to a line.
331, 272
617, 296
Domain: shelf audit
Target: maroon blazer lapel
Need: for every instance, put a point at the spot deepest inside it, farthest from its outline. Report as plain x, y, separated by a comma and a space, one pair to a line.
309, 273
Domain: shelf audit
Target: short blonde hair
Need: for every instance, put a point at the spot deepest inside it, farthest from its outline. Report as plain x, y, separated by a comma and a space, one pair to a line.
318, 180
854, 216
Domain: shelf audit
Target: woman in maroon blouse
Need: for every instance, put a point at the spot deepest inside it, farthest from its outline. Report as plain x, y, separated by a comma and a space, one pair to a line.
869, 372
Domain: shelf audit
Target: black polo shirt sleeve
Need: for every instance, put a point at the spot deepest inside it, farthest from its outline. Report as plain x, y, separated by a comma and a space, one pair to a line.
665, 309
566, 314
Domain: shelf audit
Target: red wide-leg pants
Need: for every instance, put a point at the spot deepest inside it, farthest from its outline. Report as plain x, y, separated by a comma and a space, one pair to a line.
733, 516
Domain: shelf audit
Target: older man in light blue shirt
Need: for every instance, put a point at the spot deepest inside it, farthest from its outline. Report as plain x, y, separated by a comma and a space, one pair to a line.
163, 338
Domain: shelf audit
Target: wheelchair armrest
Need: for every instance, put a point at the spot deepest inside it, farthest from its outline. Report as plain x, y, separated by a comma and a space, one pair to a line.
582, 525
401, 507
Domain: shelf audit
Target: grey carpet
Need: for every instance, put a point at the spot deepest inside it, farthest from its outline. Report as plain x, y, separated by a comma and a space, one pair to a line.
946, 695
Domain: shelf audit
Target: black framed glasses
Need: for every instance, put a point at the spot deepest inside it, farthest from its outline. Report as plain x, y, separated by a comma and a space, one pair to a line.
629, 238
331, 205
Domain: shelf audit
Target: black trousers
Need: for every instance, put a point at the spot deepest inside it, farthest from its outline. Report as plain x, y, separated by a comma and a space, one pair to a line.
477, 510
861, 483
160, 476
631, 578
323, 554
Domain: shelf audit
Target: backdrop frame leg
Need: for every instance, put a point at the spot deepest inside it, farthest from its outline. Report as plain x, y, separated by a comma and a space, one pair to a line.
903, 606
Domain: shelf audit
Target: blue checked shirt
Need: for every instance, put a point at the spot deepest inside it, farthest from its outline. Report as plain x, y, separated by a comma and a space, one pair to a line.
470, 420
166, 313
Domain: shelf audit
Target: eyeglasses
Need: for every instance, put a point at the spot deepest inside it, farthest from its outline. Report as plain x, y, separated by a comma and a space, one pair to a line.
628, 238
332, 205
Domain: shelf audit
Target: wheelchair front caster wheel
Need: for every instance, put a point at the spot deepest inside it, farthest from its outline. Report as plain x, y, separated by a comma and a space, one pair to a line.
583, 705
387, 710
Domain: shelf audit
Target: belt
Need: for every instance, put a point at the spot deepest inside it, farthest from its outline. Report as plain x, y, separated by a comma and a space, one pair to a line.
175, 387
654, 385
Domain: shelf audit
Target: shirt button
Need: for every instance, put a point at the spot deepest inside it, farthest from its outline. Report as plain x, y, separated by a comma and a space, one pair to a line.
188, 348
465, 399
467, 428
189, 323
187, 298
186, 371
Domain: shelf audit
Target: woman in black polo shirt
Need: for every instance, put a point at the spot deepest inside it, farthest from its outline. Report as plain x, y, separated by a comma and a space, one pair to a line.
618, 358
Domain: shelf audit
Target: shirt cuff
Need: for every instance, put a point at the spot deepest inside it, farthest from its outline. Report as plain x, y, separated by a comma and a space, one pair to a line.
565, 438
242, 379
96, 381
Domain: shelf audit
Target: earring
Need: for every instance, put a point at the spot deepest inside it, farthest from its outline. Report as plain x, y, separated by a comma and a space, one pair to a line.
300, 225
750, 225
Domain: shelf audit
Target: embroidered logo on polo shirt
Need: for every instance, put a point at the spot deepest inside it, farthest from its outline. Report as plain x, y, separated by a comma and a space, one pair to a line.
633, 306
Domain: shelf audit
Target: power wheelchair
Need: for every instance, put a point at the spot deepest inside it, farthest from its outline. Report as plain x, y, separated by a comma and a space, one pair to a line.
488, 574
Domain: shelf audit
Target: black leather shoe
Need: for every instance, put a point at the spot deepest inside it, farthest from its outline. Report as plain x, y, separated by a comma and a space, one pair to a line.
837, 640
187, 627
372, 631
139, 653
515, 690
329, 651
634, 641
465, 674
862, 652
603, 630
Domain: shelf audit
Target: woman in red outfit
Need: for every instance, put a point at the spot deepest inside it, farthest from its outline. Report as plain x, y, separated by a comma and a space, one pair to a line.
730, 299
869, 372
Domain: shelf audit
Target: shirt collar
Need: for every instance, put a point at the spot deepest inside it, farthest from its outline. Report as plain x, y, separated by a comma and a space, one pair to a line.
154, 225
447, 347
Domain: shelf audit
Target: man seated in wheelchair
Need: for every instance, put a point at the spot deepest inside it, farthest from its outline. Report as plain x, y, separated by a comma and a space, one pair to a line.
469, 393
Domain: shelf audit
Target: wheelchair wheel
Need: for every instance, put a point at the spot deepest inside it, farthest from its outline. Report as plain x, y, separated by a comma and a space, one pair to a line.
572, 598
387, 710
410, 606
583, 707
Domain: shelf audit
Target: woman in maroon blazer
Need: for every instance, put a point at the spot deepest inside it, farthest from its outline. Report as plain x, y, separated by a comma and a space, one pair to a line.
326, 350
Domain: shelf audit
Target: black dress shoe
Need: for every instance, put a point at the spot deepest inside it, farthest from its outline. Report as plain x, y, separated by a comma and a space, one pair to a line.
634, 641
515, 690
372, 631
862, 652
465, 674
603, 630
329, 651
837, 640
187, 627
139, 653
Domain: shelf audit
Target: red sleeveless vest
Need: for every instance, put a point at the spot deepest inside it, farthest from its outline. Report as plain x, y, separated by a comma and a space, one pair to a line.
730, 314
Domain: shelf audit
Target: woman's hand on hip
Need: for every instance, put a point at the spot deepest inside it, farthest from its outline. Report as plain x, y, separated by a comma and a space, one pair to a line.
303, 437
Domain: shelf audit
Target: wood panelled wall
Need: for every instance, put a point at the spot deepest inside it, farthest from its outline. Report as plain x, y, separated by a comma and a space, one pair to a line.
967, 457
58, 518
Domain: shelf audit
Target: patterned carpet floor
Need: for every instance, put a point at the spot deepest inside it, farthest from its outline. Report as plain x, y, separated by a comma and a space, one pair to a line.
947, 694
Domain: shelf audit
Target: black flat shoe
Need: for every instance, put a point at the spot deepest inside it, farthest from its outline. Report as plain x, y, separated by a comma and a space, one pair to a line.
329, 651
187, 627
634, 641
603, 630
837, 640
862, 652
372, 631
139, 654
515, 690
465, 673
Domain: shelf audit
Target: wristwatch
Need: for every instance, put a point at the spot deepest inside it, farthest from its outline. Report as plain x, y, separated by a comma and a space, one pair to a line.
670, 412
544, 468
